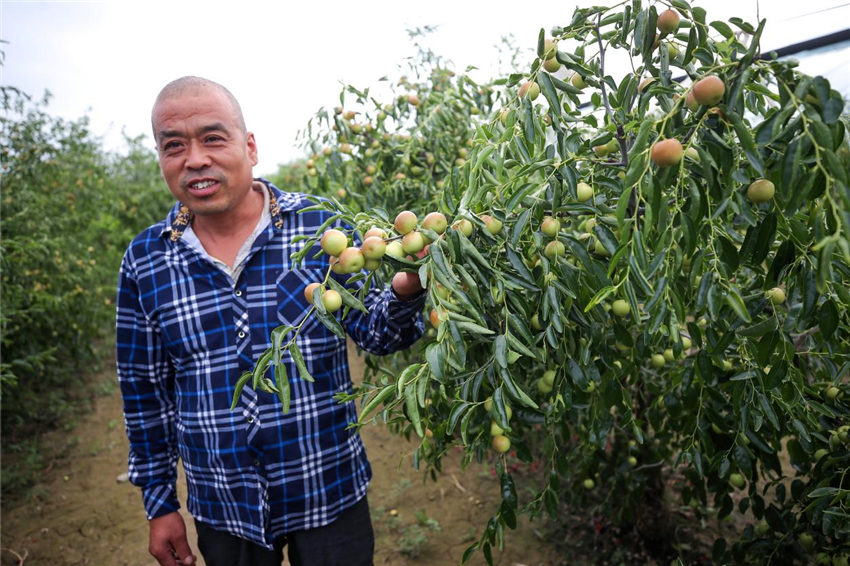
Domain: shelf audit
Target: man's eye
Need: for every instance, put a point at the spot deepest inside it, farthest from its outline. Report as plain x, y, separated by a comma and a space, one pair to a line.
214, 138
170, 146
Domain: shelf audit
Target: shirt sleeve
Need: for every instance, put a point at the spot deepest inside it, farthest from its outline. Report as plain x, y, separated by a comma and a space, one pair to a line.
146, 379
390, 326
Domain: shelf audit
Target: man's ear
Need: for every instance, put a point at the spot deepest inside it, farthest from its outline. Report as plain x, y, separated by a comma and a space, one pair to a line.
252, 148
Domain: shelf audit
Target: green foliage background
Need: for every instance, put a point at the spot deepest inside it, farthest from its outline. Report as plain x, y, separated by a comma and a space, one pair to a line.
69, 209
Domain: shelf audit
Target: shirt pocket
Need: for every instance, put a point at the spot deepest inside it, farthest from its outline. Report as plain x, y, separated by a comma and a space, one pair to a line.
292, 307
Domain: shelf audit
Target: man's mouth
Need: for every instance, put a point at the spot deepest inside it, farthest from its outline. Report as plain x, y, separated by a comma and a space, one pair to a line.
202, 188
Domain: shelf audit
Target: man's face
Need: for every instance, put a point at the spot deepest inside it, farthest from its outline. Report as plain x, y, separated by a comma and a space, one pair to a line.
205, 157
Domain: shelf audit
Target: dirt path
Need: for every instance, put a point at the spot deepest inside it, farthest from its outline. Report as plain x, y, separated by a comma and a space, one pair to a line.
81, 513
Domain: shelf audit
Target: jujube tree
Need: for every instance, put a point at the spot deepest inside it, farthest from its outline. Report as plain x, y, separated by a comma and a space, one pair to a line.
645, 274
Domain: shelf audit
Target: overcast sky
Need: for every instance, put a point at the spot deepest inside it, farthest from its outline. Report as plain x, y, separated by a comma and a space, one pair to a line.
282, 60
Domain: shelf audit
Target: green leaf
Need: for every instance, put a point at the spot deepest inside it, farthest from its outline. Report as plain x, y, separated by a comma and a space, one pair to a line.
541, 43
606, 238
747, 143
412, 408
261, 367
768, 411
516, 391
518, 346
519, 227
240, 384
548, 89
458, 409
734, 300
434, 357
824, 492
348, 299
303, 373
626, 24
500, 351
375, 401
499, 413
600, 296
561, 85
829, 318
277, 336
520, 267
329, 321
404, 377
473, 328
283, 392
723, 28
508, 490
760, 328
528, 117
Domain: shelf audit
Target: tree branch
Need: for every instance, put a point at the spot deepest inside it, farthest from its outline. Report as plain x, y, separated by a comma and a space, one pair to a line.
621, 134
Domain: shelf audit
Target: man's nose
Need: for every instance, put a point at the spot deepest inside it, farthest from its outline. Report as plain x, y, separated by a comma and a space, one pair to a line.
197, 156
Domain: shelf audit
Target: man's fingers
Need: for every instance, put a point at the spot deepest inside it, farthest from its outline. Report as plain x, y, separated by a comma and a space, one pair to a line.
164, 555
184, 553
168, 542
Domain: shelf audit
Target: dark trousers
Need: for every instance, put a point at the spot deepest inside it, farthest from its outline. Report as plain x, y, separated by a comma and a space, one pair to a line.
348, 541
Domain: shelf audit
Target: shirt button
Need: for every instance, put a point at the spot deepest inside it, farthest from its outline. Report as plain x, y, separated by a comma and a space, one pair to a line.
238, 293
241, 334
250, 420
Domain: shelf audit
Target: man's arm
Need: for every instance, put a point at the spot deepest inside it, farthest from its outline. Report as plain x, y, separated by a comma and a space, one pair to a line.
146, 379
394, 321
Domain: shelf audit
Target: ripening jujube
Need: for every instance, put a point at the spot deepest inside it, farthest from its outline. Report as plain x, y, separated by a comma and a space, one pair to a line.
405, 222
309, 290
333, 242
668, 21
435, 221
530, 89
351, 260
413, 242
761, 191
709, 91
373, 247
331, 300
667, 152
584, 191
550, 226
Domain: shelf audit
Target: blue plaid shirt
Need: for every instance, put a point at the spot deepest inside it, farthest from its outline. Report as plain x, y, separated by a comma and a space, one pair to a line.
185, 333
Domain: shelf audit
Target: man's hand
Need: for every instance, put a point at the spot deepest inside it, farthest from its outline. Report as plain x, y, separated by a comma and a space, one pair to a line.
168, 542
406, 285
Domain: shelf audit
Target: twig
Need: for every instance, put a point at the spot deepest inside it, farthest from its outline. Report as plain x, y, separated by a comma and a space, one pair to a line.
621, 134
20, 557
457, 484
648, 466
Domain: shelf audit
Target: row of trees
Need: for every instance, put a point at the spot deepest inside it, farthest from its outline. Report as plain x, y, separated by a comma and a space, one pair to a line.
69, 209
644, 285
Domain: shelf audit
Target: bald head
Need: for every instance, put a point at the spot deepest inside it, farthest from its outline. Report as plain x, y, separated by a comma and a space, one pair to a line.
188, 86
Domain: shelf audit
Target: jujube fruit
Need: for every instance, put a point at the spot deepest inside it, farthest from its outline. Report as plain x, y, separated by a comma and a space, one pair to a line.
667, 152
709, 90
333, 242
761, 191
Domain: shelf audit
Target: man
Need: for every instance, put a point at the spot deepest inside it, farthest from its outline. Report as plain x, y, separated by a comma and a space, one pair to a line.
199, 295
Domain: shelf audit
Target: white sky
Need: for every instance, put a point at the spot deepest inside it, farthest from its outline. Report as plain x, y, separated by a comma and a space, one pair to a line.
285, 60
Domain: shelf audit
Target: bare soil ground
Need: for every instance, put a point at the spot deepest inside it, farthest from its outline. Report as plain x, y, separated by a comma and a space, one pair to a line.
81, 514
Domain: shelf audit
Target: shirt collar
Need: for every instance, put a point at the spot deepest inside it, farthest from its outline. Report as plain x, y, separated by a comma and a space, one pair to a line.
180, 217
